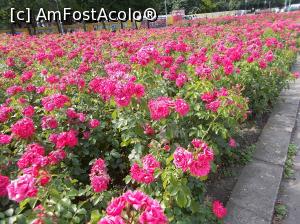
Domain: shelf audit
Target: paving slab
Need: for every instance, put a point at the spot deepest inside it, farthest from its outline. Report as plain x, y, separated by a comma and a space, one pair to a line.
242, 215
286, 107
272, 145
255, 190
290, 99
281, 120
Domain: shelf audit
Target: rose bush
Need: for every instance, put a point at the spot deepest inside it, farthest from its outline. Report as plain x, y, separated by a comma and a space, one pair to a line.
126, 127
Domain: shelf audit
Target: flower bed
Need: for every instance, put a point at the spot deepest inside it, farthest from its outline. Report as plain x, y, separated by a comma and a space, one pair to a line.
125, 127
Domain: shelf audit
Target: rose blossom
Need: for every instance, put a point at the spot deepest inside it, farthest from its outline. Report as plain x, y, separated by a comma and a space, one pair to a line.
94, 123
153, 215
232, 143
28, 111
5, 139
145, 174
98, 176
55, 101
9, 74
208, 97
116, 206
49, 122
181, 107
111, 220
151, 211
137, 199
56, 156
65, 139
4, 113
4, 181
23, 128
140, 175
213, 106
160, 108
197, 143
219, 210
34, 155
150, 163
22, 188
200, 167
148, 130
182, 158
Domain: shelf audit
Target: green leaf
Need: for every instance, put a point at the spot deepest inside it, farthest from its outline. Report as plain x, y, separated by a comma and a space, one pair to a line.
169, 159
76, 219
95, 216
66, 202
181, 199
115, 154
114, 114
127, 179
195, 207
23, 203
60, 208
68, 215
9, 212
72, 193
81, 211
173, 189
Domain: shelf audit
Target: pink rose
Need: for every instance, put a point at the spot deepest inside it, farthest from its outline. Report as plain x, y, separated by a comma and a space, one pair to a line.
213, 106
145, 174
100, 183
66, 139
150, 163
219, 210
208, 97
5, 139
182, 158
28, 111
94, 123
160, 108
232, 143
197, 143
22, 188
137, 199
4, 181
86, 135
200, 167
141, 175
34, 155
56, 156
23, 128
139, 90
116, 206
181, 107
49, 122
111, 220
153, 215
98, 176
148, 130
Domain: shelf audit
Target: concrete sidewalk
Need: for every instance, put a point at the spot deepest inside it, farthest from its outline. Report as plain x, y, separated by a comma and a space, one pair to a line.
254, 196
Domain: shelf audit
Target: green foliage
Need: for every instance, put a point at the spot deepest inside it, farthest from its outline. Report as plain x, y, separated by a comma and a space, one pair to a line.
289, 163
280, 211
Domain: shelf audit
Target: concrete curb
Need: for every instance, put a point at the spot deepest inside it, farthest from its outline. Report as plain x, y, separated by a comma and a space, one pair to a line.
253, 198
